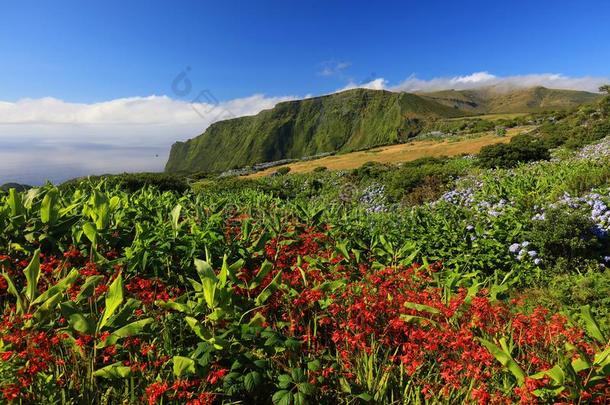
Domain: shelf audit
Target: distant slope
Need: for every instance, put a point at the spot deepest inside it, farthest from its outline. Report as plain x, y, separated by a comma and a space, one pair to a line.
491, 100
404, 152
346, 121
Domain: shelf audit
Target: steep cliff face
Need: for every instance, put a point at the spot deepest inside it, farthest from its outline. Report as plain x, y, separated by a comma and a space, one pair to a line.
346, 121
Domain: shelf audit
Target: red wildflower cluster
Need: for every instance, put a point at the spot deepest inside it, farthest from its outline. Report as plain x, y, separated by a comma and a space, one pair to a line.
181, 391
149, 290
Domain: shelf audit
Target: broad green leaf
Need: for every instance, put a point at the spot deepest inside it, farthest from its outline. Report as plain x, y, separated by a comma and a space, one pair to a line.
113, 371
13, 291
77, 320
421, 307
199, 330
209, 291
175, 216
602, 359
49, 305
32, 275
90, 231
282, 397
123, 314
48, 207
88, 287
15, 203
591, 324
183, 365
114, 298
101, 213
60, 286
205, 271
417, 319
224, 272
285, 380
173, 305
505, 359
131, 329
252, 380
269, 290
266, 267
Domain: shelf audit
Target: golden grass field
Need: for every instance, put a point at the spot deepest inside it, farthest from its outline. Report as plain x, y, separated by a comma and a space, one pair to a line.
400, 153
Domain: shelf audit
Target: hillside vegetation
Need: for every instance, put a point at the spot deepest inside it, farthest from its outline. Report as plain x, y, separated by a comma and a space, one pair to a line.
347, 121
465, 279
403, 152
493, 100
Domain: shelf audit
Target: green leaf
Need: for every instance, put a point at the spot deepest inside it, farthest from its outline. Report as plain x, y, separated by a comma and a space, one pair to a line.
422, 308
47, 307
266, 267
88, 287
314, 365
90, 231
205, 271
269, 290
132, 329
299, 399
123, 314
252, 380
114, 298
417, 319
32, 275
591, 324
505, 359
224, 271
15, 203
13, 291
48, 207
101, 213
306, 388
285, 380
365, 396
113, 371
175, 215
209, 291
183, 365
198, 328
59, 287
77, 321
173, 305
282, 397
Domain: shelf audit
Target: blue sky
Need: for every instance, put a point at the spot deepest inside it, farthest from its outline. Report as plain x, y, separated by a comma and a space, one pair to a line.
85, 51
99, 86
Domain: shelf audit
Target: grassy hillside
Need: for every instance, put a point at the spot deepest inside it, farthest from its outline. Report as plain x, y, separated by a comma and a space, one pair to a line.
405, 152
346, 121
491, 100
349, 121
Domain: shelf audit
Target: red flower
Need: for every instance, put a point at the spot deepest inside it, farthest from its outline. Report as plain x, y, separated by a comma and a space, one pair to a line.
217, 375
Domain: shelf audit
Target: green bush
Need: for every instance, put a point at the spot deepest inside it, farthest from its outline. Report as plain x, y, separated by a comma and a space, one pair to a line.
425, 178
283, 170
370, 171
521, 149
133, 182
565, 239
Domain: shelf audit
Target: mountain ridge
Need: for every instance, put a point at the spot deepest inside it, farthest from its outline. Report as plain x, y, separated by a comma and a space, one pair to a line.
347, 121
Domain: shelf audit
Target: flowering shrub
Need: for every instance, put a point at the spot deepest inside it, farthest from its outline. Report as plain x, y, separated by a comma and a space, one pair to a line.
153, 297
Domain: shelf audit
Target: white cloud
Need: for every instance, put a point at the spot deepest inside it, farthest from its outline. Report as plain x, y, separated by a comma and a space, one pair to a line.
482, 79
50, 138
375, 84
